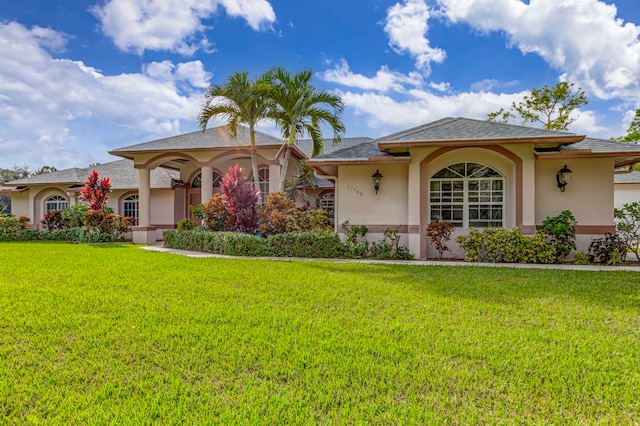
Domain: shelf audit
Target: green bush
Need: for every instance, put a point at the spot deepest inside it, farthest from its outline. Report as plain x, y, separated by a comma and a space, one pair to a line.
9, 228
69, 234
306, 244
561, 233
73, 215
187, 225
581, 258
503, 245
228, 243
309, 221
389, 247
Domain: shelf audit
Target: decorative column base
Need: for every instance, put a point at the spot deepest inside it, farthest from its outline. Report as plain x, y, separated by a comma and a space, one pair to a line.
143, 234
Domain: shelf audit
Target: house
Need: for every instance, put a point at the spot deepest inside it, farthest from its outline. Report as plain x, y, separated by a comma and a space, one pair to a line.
36, 195
475, 174
159, 180
471, 172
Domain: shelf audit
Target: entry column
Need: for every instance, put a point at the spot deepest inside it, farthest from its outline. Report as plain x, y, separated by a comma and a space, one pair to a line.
144, 233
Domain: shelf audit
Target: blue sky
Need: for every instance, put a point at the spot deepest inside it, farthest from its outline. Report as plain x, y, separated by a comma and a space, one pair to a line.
78, 78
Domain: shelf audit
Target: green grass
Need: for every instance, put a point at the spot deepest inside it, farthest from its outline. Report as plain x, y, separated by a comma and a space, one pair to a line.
117, 335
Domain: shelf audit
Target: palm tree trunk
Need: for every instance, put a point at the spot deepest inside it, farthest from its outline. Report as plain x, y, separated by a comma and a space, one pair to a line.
285, 166
254, 161
254, 168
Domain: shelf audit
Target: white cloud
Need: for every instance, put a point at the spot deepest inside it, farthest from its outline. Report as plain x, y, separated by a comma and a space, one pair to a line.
173, 25
384, 80
407, 27
583, 39
424, 106
43, 99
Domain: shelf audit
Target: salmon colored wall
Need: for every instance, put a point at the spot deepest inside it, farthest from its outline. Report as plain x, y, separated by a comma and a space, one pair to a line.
589, 194
357, 202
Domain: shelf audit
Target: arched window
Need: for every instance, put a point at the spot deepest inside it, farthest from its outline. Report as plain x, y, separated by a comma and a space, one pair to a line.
327, 202
467, 195
263, 181
130, 206
55, 202
197, 181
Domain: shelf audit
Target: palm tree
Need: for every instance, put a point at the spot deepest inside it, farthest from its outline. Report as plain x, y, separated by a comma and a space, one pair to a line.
239, 100
299, 108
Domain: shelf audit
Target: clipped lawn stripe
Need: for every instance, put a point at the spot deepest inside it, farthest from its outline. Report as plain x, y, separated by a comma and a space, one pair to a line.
115, 334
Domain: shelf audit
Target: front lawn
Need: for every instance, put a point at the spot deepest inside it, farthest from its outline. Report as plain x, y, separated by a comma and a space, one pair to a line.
111, 334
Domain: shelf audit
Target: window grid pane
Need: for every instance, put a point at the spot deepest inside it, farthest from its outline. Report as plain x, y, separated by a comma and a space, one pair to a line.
475, 200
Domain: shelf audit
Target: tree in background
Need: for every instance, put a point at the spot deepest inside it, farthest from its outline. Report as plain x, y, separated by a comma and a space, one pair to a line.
551, 107
239, 100
633, 133
18, 172
299, 108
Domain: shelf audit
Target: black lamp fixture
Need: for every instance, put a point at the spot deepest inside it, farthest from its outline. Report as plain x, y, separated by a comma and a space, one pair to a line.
563, 176
376, 180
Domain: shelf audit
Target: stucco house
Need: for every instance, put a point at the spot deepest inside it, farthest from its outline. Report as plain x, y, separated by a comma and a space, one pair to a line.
157, 181
471, 172
475, 174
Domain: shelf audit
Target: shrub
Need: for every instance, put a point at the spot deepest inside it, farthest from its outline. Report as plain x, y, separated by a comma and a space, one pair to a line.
9, 228
610, 250
240, 200
581, 258
275, 213
228, 243
306, 244
561, 233
24, 221
500, 245
356, 244
96, 191
389, 247
187, 225
440, 233
628, 226
102, 227
309, 221
54, 220
73, 215
214, 213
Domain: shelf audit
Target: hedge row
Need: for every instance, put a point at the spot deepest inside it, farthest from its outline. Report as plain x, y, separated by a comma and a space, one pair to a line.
291, 244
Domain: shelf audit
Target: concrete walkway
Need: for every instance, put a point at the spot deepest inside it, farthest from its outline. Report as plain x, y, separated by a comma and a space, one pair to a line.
633, 268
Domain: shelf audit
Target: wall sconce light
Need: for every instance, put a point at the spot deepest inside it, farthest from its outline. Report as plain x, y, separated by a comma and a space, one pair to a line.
376, 180
563, 177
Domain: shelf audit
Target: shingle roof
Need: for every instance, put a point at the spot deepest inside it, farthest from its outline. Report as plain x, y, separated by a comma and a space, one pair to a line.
603, 146
633, 177
306, 145
216, 137
362, 150
451, 128
121, 173
446, 129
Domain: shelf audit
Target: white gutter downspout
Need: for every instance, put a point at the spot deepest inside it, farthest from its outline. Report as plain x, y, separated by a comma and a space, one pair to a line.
335, 196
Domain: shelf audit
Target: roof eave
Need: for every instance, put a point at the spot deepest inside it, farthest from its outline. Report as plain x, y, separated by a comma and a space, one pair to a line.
558, 140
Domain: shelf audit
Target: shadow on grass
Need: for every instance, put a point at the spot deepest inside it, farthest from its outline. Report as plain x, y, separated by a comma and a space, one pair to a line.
616, 289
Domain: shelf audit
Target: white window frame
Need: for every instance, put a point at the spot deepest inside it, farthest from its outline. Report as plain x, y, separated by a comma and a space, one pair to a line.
58, 202
467, 190
196, 182
263, 182
328, 202
131, 204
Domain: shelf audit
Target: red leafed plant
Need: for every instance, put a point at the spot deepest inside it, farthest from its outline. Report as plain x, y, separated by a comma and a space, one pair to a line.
240, 201
95, 191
